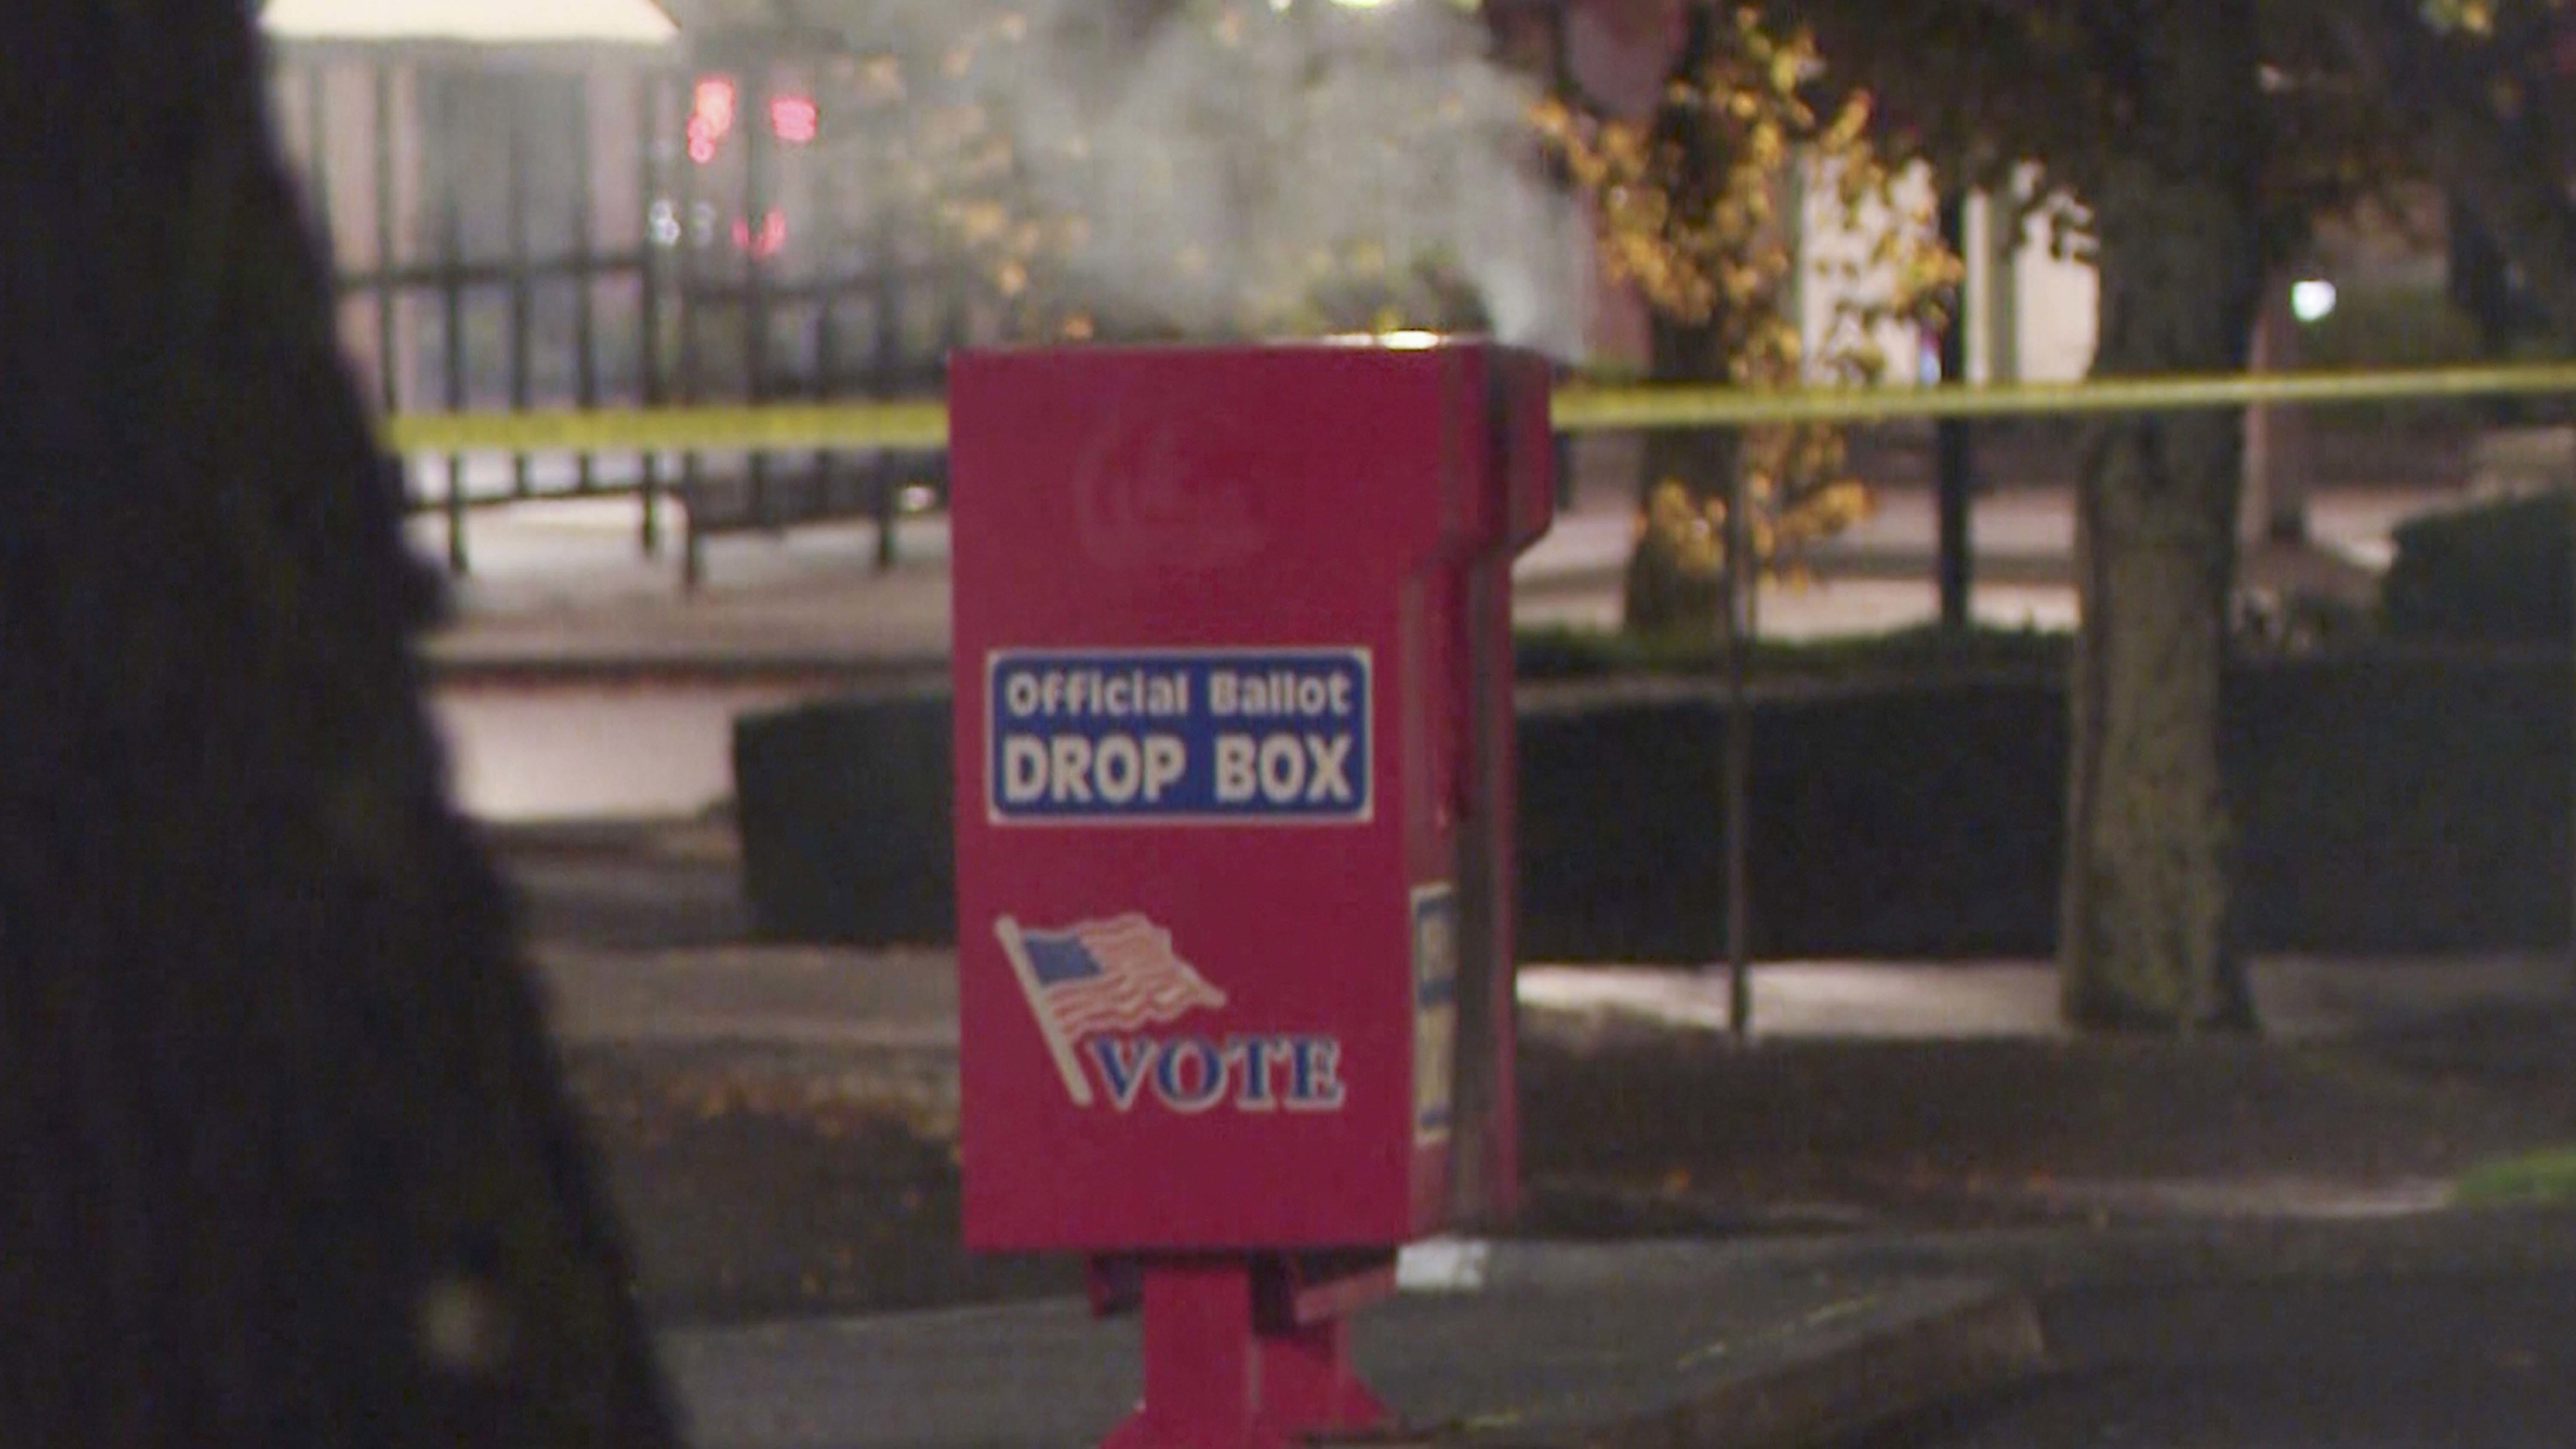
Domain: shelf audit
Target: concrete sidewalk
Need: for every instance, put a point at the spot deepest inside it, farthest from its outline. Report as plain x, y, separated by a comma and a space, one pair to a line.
1643, 1345
562, 586
817, 996
886, 1020
1764, 1340
1503, 1343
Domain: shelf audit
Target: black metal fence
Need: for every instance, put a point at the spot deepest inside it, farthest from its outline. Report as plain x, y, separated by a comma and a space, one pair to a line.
564, 226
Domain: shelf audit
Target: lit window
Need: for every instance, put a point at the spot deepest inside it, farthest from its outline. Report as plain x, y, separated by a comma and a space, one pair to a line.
710, 117
795, 119
713, 104
767, 242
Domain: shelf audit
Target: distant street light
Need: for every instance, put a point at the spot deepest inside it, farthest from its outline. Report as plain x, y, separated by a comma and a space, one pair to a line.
2311, 299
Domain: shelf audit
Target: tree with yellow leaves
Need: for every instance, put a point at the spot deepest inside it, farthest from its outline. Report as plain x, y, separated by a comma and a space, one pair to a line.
1696, 206
2202, 140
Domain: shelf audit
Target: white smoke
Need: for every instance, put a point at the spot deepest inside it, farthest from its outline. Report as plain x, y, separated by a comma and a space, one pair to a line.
1220, 155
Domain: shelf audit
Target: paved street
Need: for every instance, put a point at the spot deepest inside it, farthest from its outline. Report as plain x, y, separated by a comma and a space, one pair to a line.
2470, 1360
1552, 1346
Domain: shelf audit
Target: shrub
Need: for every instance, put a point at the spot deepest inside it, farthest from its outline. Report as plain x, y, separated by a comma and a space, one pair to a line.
2495, 573
2393, 327
2390, 327
1563, 652
2386, 799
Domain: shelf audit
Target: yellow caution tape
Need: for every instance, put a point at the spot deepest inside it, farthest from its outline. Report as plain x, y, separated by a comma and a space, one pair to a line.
1580, 407
912, 424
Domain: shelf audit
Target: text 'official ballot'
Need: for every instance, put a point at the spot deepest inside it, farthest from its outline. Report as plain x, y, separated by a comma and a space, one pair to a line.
1217, 736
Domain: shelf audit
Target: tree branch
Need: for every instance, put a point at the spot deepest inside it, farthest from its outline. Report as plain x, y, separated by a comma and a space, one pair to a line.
2485, 158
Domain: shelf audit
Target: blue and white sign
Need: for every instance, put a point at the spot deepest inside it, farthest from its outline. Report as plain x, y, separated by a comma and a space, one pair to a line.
1178, 736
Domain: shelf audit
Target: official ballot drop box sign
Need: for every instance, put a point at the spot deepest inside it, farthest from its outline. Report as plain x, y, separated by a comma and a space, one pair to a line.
1232, 697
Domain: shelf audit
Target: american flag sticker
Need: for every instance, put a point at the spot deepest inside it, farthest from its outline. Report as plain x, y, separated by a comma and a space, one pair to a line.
1094, 977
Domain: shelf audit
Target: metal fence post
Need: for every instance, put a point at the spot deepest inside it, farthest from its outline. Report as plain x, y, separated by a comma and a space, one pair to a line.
585, 267
522, 291
1742, 579
758, 89
1952, 461
388, 317
451, 282
648, 297
694, 232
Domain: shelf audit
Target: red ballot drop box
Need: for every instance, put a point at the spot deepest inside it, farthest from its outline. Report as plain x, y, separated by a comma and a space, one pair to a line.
1234, 817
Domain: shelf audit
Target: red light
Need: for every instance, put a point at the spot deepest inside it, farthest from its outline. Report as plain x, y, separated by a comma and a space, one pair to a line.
795, 119
711, 106
770, 240
702, 141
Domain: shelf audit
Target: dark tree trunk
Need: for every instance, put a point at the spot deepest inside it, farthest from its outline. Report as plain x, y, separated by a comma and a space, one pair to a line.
2505, 170
2145, 930
284, 1159
1953, 445
1663, 593
2480, 278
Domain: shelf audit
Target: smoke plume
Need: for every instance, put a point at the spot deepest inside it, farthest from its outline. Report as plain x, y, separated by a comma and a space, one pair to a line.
1226, 154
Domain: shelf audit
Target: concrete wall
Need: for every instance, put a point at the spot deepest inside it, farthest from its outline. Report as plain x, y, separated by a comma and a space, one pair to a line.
484, 21
2050, 315
1830, 243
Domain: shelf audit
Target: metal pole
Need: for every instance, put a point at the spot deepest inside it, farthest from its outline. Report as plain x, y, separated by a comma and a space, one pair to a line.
317, 141
522, 299
823, 245
1741, 577
884, 470
827, 381
1950, 438
758, 194
585, 267
692, 362
451, 282
648, 296
388, 320
2000, 299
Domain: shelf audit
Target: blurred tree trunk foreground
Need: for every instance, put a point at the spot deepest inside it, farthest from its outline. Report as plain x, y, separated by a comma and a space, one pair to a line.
2146, 926
284, 1156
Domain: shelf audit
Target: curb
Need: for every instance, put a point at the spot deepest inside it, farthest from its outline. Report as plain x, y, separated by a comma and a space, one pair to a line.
1980, 1346
1805, 1367
1845, 1384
